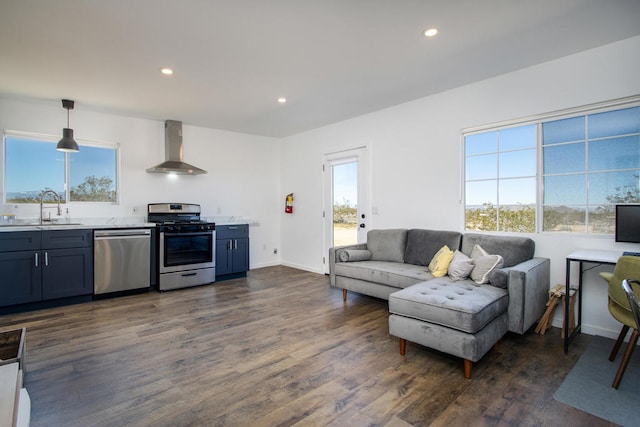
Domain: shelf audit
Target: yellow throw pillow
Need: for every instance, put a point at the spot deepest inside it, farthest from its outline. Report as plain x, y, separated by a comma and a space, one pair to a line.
440, 262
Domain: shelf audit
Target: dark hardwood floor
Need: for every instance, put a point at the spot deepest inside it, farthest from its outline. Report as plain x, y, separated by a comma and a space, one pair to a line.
277, 348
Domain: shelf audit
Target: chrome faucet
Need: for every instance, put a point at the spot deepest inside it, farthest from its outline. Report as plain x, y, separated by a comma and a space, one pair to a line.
42, 208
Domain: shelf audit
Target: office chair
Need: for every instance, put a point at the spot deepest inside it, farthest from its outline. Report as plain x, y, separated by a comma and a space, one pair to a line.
620, 306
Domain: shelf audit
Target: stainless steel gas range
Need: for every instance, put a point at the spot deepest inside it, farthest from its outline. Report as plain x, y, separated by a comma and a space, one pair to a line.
186, 245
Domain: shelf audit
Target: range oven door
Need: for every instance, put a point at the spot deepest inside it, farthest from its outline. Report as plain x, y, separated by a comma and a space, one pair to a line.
183, 251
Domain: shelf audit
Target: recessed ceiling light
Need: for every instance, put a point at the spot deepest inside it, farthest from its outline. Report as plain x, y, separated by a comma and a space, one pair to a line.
282, 100
430, 32
166, 71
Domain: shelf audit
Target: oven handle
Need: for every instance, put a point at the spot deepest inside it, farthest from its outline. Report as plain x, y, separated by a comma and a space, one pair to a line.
121, 233
195, 233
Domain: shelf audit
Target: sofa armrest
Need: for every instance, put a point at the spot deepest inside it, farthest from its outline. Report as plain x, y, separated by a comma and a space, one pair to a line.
334, 257
529, 284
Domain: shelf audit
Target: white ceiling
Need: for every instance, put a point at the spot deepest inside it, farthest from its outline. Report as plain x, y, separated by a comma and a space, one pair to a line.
332, 59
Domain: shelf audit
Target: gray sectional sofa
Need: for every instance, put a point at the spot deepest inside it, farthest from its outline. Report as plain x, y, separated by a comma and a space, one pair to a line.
461, 316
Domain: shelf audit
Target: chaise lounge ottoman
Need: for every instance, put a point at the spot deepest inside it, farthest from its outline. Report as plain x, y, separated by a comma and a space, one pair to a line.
458, 318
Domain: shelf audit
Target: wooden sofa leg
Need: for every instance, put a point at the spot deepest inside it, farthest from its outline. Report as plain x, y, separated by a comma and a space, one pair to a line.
344, 295
403, 346
468, 364
497, 345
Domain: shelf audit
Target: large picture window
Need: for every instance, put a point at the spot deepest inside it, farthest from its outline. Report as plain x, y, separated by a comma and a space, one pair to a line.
32, 164
570, 172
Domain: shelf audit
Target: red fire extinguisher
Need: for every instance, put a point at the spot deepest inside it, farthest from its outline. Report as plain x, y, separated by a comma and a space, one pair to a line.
288, 203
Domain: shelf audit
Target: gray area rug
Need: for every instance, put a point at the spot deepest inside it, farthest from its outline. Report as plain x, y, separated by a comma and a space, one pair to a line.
588, 385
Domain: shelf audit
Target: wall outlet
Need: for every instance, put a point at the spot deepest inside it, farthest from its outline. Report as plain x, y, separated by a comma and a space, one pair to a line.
275, 251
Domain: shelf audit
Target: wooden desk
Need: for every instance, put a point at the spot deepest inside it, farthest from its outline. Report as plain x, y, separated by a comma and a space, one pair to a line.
581, 257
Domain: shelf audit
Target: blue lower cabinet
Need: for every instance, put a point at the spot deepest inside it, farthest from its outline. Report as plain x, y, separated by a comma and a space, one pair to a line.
232, 251
37, 266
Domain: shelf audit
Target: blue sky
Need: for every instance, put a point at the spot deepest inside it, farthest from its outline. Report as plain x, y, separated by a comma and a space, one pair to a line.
32, 165
345, 179
575, 167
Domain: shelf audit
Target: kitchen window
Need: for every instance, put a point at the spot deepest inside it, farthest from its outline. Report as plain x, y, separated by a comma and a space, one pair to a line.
32, 164
561, 172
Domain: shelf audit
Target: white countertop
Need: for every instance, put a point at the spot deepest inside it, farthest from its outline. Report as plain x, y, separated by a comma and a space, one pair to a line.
33, 224
75, 223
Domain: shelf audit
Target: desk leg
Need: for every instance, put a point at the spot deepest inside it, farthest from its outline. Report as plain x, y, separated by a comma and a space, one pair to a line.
569, 335
566, 305
579, 324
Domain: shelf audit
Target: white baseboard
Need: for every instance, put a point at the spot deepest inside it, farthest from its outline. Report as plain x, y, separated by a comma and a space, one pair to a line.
593, 330
287, 264
303, 267
265, 264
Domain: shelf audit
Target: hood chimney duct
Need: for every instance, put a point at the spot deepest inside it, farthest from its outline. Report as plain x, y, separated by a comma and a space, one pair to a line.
173, 152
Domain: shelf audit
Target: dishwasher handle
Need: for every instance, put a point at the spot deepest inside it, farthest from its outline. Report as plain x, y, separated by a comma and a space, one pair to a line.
106, 234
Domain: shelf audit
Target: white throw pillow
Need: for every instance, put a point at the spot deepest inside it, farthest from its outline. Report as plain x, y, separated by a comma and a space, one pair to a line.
484, 264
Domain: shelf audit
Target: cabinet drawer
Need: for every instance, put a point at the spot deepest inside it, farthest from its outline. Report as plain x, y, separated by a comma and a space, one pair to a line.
232, 231
19, 241
61, 239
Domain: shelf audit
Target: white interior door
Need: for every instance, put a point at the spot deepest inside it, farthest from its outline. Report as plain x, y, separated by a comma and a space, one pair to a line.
346, 198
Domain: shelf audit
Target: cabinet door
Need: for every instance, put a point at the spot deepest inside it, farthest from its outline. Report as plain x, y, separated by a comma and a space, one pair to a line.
67, 273
223, 257
240, 255
21, 277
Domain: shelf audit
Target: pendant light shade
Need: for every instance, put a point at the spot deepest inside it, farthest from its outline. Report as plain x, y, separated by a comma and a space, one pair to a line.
67, 143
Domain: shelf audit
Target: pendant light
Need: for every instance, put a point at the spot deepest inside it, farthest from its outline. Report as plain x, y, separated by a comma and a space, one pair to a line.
67, 143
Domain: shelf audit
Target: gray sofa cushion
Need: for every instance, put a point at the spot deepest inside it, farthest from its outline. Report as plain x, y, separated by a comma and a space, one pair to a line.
397, 275
387, 245
422, 245
458, 305
513, 249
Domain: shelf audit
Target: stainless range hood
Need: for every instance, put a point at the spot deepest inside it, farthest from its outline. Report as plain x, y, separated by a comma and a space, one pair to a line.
173, 152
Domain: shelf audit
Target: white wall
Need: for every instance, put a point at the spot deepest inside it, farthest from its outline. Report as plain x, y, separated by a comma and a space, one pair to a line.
243, 170
415, 151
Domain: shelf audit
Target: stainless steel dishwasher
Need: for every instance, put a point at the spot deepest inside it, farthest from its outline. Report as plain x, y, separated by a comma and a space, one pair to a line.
122, 260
